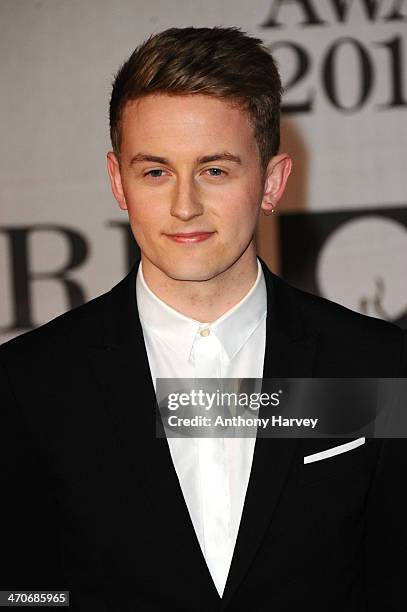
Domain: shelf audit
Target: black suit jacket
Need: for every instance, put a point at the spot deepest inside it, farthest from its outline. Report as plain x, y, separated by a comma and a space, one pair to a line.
91, 502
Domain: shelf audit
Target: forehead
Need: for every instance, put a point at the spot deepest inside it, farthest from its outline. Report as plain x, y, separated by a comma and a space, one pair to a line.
185, 120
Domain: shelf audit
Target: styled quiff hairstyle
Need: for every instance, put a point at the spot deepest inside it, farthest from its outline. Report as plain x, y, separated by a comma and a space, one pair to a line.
221, 62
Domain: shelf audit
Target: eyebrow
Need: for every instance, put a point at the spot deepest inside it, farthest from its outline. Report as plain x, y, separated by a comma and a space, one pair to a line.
224, 155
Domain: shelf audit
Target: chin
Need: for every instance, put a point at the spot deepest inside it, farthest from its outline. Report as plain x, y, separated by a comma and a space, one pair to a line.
188, 274
191, 271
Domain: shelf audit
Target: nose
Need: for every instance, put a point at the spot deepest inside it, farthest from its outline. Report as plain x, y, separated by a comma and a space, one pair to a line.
185, 203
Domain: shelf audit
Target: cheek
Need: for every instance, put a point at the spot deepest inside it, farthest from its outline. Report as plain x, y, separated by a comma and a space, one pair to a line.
143, 216
239, 213
141, 225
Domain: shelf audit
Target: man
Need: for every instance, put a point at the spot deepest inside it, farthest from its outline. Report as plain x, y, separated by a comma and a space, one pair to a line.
94, 502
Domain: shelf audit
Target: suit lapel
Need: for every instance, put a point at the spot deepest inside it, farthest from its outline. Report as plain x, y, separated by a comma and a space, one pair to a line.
122, 369
289, 353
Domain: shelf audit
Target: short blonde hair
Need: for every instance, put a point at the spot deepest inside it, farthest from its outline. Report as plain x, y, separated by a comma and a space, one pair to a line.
223, 62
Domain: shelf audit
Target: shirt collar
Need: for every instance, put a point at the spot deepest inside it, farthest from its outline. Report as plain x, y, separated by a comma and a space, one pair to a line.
232, 329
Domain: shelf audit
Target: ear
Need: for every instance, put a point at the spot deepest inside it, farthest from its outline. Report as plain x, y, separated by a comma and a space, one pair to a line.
113, 168
276, 175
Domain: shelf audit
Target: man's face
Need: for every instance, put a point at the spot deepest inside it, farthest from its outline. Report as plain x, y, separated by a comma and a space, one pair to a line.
189, 165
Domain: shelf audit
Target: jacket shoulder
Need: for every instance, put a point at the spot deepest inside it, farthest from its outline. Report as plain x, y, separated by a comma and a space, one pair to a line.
319, 310
72, 327
343, 333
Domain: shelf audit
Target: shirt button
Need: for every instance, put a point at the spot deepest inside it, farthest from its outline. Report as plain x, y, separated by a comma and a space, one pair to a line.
205, 332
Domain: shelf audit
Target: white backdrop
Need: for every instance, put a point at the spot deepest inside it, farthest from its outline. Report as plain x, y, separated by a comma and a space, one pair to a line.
345, 124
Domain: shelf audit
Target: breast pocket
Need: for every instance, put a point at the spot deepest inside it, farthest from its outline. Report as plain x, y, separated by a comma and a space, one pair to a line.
328, 459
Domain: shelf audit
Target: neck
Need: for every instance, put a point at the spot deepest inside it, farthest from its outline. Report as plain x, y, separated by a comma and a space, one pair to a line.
204, 301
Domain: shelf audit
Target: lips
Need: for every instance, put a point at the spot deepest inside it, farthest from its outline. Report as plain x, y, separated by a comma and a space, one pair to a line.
190, 237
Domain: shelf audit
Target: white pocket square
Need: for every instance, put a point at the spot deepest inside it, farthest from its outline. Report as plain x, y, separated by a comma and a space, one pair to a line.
335, 450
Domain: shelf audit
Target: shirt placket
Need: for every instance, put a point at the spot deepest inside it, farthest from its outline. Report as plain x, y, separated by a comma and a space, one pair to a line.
216, 511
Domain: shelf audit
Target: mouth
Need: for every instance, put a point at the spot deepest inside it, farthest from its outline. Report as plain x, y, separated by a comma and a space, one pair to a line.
189, 237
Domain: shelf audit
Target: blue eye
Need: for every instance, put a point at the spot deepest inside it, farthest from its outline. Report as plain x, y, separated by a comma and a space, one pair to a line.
217, 170
149, 173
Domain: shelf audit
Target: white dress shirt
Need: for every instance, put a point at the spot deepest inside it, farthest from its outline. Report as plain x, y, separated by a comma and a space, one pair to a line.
213, 472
